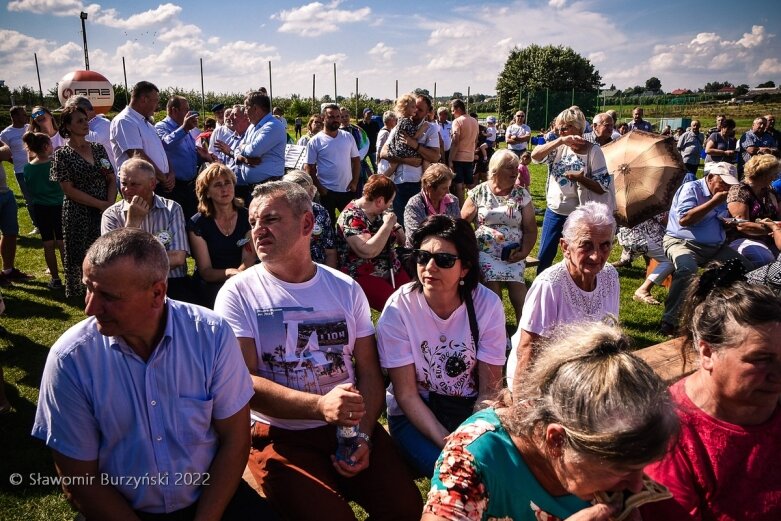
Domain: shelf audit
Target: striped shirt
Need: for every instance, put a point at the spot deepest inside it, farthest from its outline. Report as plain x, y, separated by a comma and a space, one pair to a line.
165, 221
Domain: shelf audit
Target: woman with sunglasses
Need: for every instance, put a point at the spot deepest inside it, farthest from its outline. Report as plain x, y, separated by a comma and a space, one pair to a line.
576, 170
442, 339
42, 120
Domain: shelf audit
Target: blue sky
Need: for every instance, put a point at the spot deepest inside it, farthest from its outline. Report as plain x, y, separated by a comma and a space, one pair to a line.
457, 44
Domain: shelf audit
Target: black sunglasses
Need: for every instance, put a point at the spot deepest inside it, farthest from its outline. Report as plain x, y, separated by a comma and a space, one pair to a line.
443, 260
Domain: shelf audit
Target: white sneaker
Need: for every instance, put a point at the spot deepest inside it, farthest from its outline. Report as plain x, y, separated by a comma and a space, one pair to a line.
34, 232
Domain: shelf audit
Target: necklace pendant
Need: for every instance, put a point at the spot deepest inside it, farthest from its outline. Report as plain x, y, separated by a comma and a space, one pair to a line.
442, 338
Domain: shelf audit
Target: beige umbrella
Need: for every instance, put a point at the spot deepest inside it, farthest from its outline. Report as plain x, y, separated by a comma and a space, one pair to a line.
647, 170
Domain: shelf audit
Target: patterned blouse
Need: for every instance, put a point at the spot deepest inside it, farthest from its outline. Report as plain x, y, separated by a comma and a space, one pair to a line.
355, 221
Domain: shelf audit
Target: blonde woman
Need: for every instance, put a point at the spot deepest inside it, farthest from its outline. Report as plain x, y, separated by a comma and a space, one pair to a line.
753, 200
506, 227
574, 165
218, 233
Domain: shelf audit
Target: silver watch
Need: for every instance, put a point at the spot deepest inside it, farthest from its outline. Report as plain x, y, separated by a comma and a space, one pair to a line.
365, 437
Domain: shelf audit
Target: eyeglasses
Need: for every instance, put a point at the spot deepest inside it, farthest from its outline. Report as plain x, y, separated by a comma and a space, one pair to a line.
443, 260
38, 113
520, 116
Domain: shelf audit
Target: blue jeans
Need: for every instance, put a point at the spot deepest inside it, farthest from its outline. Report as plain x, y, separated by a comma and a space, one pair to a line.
419, 451
404, 192
552, 225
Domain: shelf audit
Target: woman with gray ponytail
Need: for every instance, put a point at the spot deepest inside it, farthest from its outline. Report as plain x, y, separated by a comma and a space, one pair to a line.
587, 420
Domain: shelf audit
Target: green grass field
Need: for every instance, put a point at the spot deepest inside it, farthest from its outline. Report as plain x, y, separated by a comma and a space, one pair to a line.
36, 316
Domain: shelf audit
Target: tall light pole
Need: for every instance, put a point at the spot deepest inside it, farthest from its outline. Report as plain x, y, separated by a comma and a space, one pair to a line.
83, 17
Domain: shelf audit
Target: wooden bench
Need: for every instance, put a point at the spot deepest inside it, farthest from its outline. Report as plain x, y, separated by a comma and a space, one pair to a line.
666, 360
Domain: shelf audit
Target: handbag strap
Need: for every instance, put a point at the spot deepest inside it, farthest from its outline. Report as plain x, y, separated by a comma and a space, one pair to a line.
470, 311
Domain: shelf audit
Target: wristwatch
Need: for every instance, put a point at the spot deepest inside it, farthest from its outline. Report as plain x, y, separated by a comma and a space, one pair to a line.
365, 437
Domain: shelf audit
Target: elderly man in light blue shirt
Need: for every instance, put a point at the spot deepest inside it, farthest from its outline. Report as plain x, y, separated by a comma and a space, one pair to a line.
261, 154
695, 234
145, 404
179, 145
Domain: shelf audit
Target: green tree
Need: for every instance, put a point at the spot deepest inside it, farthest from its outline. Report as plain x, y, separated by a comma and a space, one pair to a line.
715, 86
653, 84
536, 68
741, 89
458, 95
768, 84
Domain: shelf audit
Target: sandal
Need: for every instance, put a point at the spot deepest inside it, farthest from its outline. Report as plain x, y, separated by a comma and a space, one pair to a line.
646, 299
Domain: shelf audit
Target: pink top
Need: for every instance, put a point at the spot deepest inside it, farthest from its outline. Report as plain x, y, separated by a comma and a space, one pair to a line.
524, 178
719, 470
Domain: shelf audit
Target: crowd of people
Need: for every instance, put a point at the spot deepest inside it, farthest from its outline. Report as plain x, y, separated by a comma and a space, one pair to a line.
266, 358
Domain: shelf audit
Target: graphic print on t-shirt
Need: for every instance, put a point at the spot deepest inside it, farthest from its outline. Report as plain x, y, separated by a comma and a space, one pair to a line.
303, 349
450, 367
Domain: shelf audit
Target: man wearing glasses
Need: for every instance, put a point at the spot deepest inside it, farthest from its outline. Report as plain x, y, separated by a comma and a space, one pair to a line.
518, 134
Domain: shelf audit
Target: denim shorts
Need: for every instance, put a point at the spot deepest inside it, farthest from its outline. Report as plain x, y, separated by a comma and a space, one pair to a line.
9, 219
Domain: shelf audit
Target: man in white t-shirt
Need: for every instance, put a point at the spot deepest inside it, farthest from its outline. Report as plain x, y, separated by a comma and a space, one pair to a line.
306, 334
518, 134
12, 136
133, 133
445, 132
333, 161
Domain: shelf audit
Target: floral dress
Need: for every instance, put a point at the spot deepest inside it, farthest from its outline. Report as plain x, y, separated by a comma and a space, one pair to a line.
354, 221
499, 220
323, 234
80, 223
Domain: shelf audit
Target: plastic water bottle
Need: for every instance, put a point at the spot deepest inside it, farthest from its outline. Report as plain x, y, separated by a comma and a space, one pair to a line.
346, 442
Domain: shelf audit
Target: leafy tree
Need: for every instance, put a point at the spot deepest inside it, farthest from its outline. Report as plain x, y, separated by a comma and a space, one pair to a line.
536, 68
715, 86
767, 84
653, 84
458, 95
741, 89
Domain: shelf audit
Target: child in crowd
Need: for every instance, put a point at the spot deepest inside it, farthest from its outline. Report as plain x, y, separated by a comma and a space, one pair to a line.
524, 177
397, 147
46, 198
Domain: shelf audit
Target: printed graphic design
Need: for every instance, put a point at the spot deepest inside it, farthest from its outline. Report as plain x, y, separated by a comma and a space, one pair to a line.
303, 349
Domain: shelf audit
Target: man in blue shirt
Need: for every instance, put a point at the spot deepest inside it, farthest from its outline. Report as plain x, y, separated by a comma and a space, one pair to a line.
145, 404
179, 145
638, 122
695, 234
261, 154
756, 141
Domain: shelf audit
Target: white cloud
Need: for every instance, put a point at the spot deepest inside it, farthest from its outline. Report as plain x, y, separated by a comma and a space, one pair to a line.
754, 38
160, 15
315, 18
181, 32
55, 7
769, 66
597, 57
381, 52
557, 4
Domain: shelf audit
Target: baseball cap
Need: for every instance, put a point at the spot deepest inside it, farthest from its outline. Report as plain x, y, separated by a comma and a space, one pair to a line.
727, 172
368, 110
217, 107
490, 119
